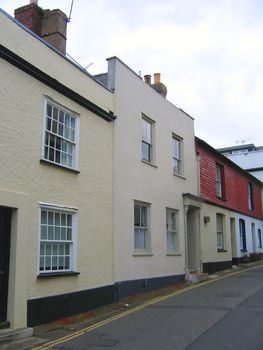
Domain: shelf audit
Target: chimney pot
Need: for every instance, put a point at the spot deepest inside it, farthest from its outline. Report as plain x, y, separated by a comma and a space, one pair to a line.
158, 86
157, 78
147, 79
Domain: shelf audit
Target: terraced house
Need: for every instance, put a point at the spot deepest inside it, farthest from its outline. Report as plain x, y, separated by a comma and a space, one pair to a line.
94, 208
231, 223
156, 208
56, 153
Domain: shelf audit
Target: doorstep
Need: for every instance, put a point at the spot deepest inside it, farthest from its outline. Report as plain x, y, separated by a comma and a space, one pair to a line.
10, 334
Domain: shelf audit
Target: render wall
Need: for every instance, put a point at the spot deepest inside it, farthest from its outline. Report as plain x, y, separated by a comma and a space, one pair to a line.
22, 175
154, 184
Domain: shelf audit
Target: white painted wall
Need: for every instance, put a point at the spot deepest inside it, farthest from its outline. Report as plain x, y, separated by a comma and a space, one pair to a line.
135, 180
249, 239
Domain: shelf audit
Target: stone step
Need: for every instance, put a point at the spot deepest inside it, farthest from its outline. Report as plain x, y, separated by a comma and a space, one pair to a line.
9, 334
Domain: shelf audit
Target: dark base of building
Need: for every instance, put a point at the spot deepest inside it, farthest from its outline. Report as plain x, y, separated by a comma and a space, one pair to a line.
48, 309
127, 288
237, 261
213, 267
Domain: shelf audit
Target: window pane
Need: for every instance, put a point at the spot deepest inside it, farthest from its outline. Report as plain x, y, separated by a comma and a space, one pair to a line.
136, 215
146, 152
176, 148
49, 110
146, 131
140, 239
143, 216
170, 241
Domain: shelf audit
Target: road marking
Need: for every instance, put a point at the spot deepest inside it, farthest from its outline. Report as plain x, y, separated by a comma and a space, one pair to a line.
88, 329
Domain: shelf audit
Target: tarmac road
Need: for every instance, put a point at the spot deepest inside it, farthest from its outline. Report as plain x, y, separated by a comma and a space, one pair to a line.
225, 313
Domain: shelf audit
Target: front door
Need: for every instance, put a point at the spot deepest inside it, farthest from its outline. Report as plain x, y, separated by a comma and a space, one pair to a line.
5, 233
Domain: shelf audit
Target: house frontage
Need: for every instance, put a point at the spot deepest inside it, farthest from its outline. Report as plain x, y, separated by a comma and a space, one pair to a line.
156, 208
231, 224
56, 141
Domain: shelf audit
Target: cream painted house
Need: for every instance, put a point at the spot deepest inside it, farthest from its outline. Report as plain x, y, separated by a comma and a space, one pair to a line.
56, 155
156, 209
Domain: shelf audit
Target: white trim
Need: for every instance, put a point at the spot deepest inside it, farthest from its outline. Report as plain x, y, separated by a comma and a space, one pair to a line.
57, 207
75, 154
73, 247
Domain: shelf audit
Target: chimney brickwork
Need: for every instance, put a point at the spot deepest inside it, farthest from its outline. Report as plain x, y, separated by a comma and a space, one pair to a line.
51, 25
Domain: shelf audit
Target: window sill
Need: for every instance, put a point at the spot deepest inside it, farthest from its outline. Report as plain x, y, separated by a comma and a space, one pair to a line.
142, 254
173, 254
149, 163
179, 175
57, 274
44, 161
221, 250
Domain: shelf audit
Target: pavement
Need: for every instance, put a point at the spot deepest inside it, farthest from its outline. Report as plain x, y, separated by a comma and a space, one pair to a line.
37, 337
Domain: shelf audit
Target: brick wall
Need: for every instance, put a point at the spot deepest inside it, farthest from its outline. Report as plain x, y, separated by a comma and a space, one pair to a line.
235, 182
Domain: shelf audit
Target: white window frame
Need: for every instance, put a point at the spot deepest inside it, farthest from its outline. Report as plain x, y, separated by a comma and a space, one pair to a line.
147, 139
172, 238
259, 238
220, 231
177, 155
70, 143
55, 241
142, 228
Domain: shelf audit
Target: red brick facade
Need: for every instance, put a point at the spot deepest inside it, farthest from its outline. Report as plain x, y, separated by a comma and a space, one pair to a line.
234, 182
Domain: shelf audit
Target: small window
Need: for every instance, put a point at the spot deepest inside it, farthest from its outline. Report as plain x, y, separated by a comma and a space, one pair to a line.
171, 231
177, 155
147, 140
219, 181
57, 240
250, 196
220, 231
60, 135
141, 227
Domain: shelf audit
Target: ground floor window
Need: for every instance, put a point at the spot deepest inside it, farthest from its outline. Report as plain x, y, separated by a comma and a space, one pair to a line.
259, 238
57, 240
171, 231
141, 227
220, 231
242, 232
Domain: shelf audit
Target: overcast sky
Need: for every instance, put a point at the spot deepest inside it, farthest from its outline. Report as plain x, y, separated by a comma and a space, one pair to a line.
209, 54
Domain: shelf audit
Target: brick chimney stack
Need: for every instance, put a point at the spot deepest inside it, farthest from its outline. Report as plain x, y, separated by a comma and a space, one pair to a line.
51, 25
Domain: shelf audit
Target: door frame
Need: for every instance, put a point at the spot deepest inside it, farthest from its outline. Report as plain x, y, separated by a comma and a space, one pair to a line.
5, 218
17, 284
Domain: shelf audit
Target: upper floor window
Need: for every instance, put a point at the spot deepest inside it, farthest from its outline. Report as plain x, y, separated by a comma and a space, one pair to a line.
219, 180
141, 227
171, 231
220, 231
250, 196
177, 155
60, 135
147, 140
57, 240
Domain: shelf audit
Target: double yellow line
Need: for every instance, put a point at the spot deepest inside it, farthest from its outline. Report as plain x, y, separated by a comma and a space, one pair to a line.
88, 329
